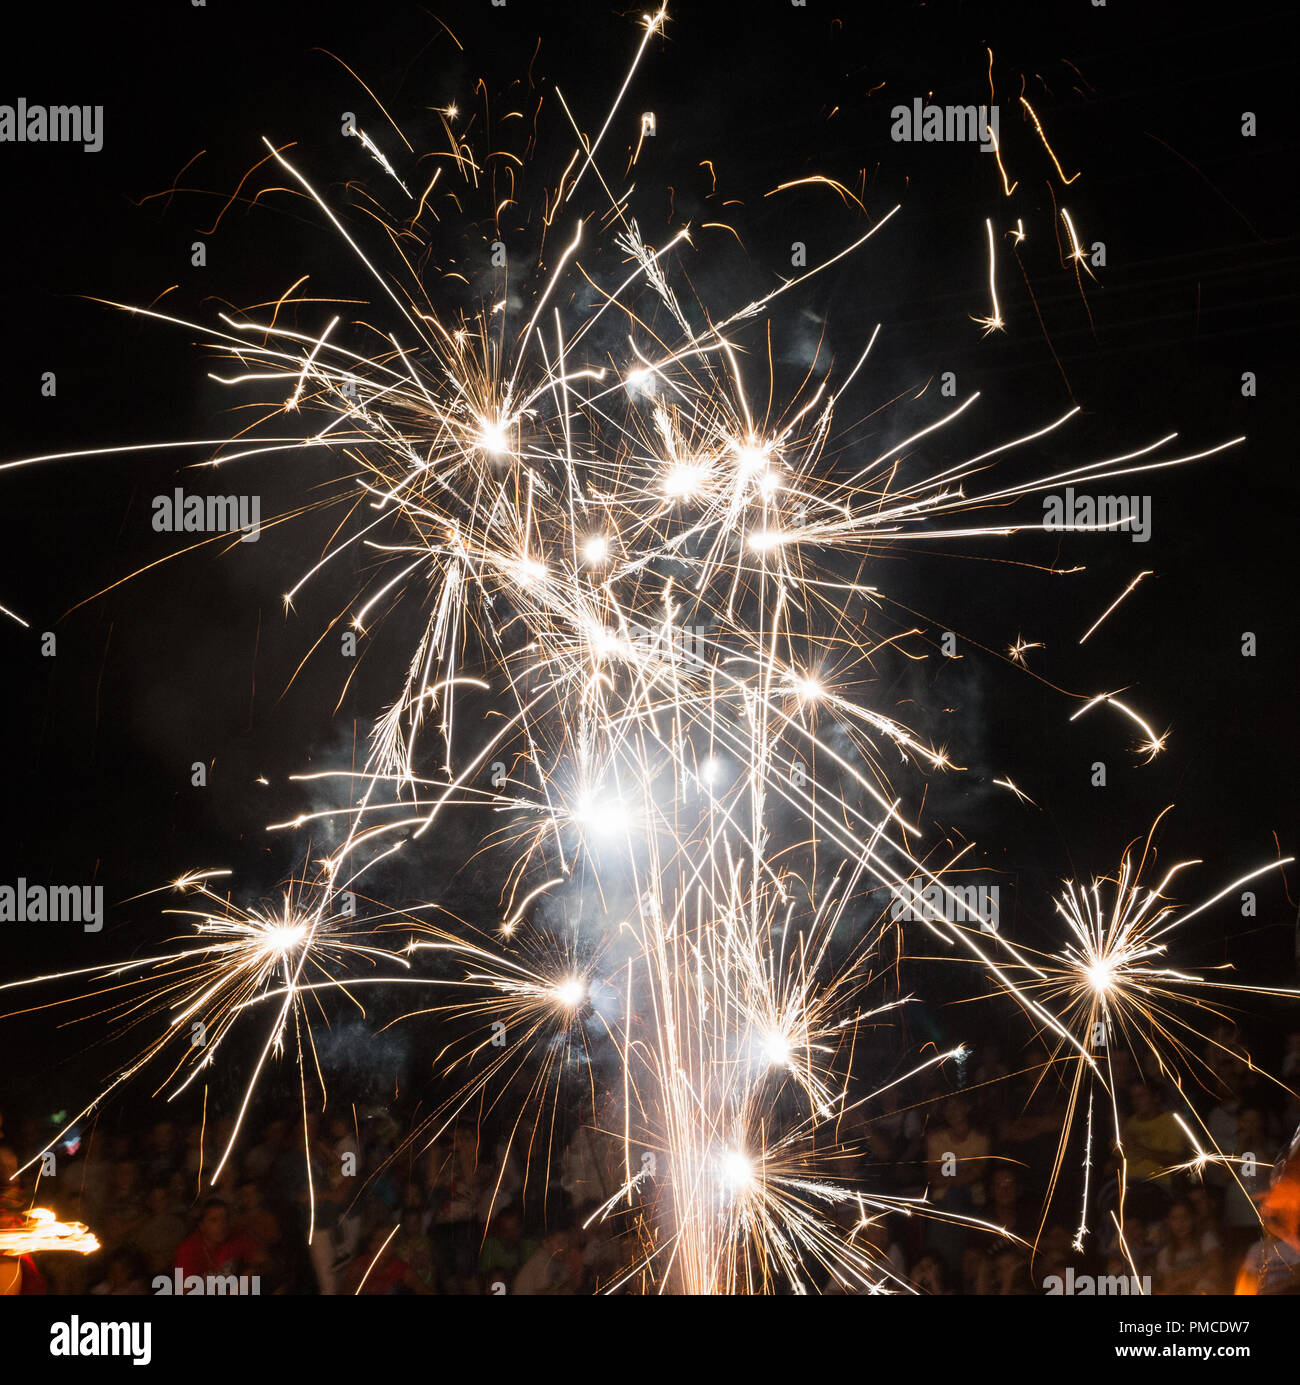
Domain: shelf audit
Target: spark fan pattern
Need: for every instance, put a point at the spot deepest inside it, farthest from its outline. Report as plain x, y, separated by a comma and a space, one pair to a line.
633, 582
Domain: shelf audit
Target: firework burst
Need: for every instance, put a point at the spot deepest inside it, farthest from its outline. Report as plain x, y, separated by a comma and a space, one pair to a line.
630, 576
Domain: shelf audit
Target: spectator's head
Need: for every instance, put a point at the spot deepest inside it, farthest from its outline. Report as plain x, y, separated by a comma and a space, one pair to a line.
557, 1242
927, 1274
1180, 1223
1122, 1066
378, 1240
1217, 1061
125, 1269
1009, 1272
1056, 1247
249, 1196
1226, 1034
509, 1228
1250, 1131
989, 1057
956, 1113
466, 1152
1006, 1187
124, 1178
1202, 1202
1144, 1101
159, 1199
434, 1164
1117, 1265
214, 1221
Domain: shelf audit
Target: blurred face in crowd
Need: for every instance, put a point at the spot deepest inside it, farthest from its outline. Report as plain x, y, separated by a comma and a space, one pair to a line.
957, 1114
466, 1157
215, 1225
928, 1275
1009, 1271
1144, 1104
1180, 1221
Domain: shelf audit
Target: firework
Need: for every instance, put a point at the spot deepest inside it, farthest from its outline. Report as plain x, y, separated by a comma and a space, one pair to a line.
632, 579
233, 961
1113, 984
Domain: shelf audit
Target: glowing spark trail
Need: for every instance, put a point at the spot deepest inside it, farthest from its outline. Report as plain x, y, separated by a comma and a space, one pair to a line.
1096, 623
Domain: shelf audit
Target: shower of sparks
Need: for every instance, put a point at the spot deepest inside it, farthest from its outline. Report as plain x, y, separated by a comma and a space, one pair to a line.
234, 959
633, 583
1112, 983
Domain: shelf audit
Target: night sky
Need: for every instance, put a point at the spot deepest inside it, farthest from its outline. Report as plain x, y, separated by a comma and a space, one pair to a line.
193, 660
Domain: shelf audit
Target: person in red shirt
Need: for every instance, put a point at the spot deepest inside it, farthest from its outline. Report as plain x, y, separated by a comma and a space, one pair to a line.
382, 1269
213, 1249
18, 1273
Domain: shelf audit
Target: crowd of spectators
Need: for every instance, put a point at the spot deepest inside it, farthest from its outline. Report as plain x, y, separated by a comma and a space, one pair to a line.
986, 1153
463, 1214
387, 1215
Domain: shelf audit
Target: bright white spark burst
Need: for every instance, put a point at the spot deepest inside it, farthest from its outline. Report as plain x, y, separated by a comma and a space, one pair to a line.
560, 517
